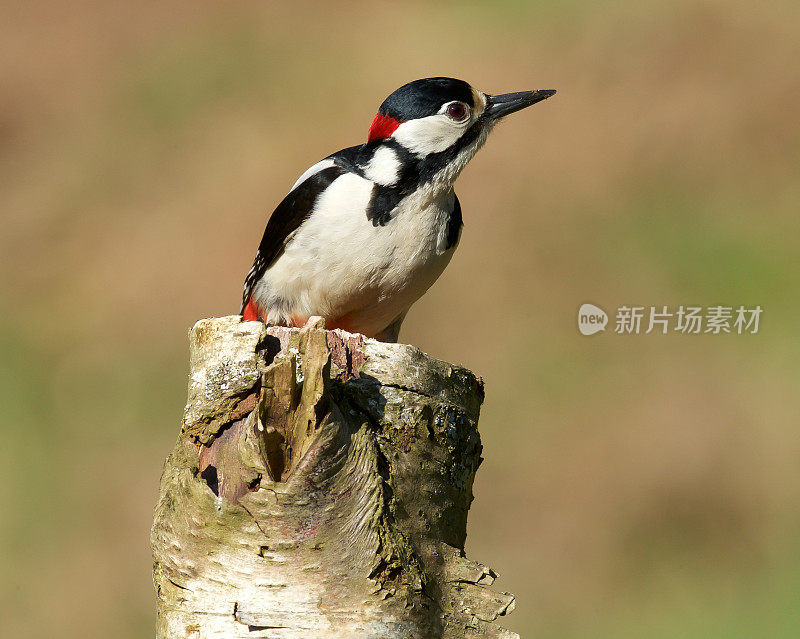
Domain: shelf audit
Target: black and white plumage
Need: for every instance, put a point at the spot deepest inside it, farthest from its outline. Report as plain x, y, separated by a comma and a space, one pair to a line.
365, 232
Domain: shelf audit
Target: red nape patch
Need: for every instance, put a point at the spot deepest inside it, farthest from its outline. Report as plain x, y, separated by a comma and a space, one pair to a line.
382, 127
251, 312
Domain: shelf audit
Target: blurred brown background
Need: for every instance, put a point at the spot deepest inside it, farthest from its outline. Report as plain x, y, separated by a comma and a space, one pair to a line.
633, 486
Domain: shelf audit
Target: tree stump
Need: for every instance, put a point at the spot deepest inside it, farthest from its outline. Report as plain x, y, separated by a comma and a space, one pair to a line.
319, 488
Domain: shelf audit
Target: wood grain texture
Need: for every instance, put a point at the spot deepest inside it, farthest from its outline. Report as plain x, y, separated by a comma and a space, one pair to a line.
320, 487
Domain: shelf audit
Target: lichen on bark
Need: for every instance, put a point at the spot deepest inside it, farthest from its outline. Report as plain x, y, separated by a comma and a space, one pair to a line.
320, 487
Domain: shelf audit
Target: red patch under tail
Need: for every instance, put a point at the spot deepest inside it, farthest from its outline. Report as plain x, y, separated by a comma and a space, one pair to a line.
251, 312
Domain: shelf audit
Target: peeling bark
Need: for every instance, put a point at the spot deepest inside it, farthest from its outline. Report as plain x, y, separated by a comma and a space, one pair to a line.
320, 487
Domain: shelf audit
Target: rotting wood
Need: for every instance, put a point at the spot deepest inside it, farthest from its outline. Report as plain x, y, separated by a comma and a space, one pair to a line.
320, 487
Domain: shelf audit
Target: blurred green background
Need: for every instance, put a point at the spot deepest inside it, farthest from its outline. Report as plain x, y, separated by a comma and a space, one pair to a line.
633, 486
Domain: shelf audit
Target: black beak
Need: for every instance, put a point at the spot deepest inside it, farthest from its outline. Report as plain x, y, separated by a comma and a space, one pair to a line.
501, 105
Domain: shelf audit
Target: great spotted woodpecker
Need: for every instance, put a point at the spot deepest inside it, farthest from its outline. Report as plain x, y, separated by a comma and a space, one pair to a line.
365, 232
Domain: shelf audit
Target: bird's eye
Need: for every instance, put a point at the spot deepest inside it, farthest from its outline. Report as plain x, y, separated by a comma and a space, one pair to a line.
457, 111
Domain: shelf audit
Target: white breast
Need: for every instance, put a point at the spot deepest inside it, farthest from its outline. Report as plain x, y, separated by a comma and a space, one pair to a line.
339, 264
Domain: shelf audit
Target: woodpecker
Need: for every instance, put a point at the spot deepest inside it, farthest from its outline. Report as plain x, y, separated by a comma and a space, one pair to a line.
365, 232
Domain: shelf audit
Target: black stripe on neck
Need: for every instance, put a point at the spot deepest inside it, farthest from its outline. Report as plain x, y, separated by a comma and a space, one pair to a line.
414, 172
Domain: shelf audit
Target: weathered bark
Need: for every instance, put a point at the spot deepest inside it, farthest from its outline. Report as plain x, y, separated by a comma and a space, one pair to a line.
320, 488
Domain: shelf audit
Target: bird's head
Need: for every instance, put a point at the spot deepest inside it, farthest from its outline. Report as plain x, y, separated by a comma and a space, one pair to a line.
439, 124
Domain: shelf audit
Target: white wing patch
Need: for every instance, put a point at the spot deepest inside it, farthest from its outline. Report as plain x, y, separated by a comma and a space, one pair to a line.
319, 166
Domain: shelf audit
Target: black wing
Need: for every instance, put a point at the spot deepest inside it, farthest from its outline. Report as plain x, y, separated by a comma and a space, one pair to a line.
348, 158
454, 224
285, 220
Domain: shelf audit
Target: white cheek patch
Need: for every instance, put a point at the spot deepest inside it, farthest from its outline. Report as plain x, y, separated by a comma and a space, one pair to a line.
384, 167
451, 171
431, 134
